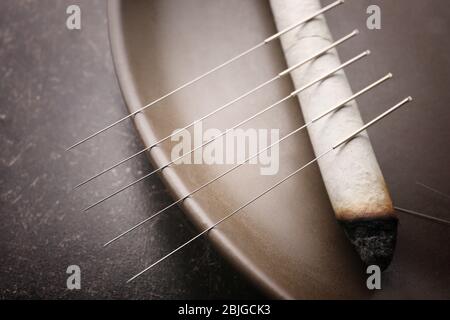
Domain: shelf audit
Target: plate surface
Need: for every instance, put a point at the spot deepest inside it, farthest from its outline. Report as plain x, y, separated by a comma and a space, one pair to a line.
288, 242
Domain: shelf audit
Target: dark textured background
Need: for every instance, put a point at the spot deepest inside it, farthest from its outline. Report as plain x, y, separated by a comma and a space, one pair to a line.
56, 87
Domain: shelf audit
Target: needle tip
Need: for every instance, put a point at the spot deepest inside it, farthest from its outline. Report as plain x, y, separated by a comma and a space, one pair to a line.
368, 52
410, 98
108, 243
390, 75
356, 31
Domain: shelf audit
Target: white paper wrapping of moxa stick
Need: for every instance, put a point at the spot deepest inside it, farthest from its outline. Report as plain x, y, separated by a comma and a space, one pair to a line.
352, 176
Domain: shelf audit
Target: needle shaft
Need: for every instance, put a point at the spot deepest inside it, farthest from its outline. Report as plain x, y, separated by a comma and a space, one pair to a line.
423, 216
330, 110
367, 125
226, 63
328, 74
433, 190
228, 216
280, 75
343, 141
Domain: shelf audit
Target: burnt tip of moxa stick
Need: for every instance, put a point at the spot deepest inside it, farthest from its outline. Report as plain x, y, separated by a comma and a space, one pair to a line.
374, 239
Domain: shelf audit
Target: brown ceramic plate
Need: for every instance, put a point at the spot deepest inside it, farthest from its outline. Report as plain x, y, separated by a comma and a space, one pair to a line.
288, 242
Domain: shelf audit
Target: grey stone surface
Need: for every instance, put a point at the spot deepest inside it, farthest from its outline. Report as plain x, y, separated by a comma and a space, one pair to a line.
57, 86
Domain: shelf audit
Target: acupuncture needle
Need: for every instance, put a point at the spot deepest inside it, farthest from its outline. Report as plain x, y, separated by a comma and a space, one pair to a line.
358, 57
223, 107
228, 216
422, 215
187, 84
330, 110
442, 194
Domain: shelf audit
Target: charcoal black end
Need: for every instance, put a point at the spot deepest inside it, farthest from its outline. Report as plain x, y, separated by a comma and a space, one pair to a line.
373, 239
